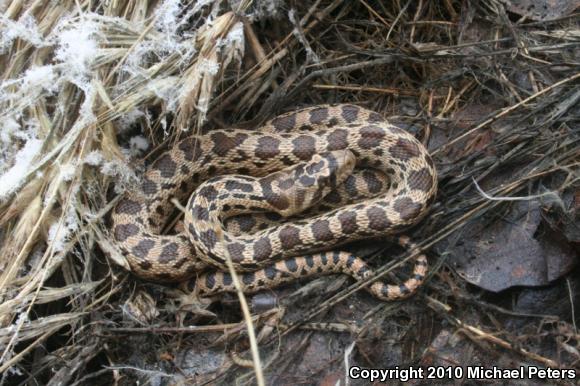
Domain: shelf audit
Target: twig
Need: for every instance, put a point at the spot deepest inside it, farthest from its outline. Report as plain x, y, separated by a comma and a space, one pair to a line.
571, 296
519, 198
380, 90
398, 17
334, 70
374, 13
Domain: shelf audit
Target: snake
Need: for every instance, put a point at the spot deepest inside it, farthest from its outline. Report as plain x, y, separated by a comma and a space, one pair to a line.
278, 202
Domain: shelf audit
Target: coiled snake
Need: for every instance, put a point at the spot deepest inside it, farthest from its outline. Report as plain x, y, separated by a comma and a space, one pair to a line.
292, 162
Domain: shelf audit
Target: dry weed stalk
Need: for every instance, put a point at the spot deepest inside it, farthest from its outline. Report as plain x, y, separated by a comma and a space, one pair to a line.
74, 77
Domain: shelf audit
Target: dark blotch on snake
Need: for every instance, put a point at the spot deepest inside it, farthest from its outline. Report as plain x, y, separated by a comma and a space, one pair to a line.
350, 261
337, 140
227, 279
190, 148
307, 180
268, 148
124, 231
224, 143
285, 123
246, 223
348, 223
200, 213
166, 166
385, 291
319, 115
421, 180
236, 250
141, 250
374, 185
321, 230
127, 206
350, 186
304, 147
286, 184
270, 272
350, 113
404, 149
148, 187
235, 185
262, 249
407, 208
168, 253
290, 237
378, 219
291, 265
371, 136
248, 277
208, 192
209, 238
210, 280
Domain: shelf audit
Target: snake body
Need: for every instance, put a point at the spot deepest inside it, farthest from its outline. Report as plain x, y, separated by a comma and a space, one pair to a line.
300, 148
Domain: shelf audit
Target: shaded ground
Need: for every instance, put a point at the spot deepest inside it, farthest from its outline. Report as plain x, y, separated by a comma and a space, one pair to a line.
490, 87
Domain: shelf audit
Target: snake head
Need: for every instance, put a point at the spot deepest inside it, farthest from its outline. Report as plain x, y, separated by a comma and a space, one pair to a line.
305, 184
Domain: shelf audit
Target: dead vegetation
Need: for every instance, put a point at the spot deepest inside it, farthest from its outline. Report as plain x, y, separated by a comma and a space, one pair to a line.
91, 89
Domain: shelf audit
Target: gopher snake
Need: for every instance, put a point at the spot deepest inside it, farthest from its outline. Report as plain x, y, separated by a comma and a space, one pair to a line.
293, 161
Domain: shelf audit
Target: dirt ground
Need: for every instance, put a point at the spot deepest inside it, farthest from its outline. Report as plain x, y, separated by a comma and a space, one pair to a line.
93, 91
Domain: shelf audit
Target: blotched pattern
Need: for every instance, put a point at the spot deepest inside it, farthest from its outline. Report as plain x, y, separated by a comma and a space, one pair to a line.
384, 154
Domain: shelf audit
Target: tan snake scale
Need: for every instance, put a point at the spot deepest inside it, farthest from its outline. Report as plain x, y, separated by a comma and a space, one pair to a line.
295, 160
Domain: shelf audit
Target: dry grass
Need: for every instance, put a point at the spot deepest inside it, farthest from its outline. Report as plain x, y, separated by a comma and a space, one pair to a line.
87, 84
